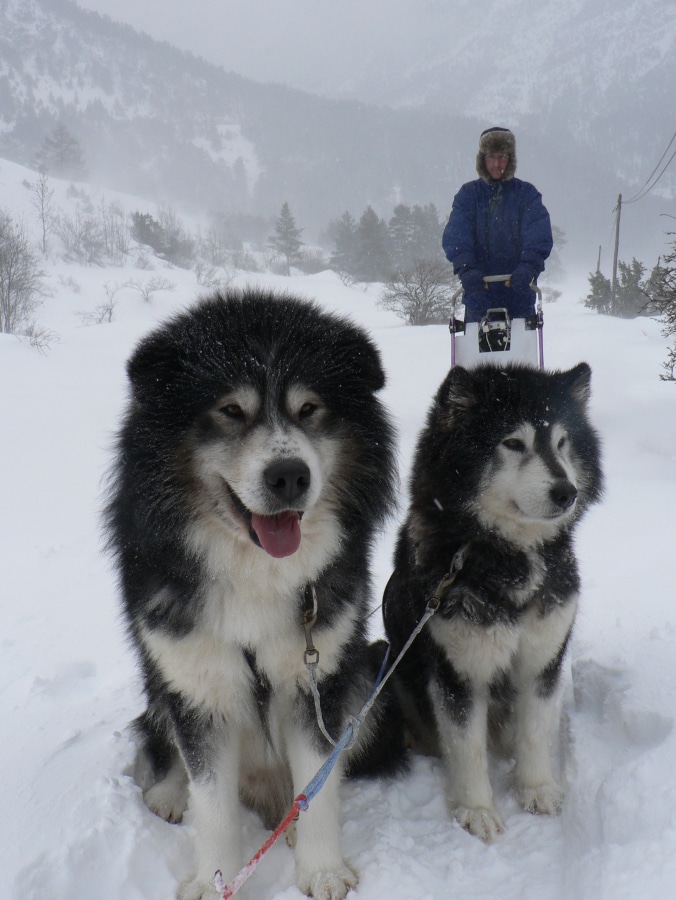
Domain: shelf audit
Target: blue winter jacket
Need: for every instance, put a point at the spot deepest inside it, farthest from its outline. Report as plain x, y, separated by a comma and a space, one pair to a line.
498, 228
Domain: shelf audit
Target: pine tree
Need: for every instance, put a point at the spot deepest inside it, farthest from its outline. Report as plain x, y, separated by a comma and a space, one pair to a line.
343, 233
600, 293
631, 297
427, 232
286, 239
61, 155
401, 237
372, 259
662, 289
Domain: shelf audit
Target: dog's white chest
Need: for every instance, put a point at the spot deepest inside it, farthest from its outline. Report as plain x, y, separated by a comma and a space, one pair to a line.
476, 652
210, 666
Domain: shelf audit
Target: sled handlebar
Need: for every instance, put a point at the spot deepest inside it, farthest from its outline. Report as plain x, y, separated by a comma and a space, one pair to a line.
493, 279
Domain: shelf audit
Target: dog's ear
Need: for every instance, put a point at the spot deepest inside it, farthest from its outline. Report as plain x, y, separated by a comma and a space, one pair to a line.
577, 382
456, 394
370, 365
349, 351
150, 366
461, 389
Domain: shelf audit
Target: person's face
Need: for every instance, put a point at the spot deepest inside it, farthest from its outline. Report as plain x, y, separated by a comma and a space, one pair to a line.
496, 163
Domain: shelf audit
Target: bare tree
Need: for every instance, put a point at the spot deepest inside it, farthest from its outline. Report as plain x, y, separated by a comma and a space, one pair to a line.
43, 204
114, 231
82, 236
213, 247
40, 337
209, 276
178, 247
104, 312
21, 285
151, 286
421, 295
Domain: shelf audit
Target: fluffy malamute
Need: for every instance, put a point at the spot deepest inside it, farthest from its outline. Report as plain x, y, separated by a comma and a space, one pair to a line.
504, 469
255, 462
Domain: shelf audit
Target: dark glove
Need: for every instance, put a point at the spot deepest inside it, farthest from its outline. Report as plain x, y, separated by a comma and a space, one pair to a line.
522, 277
472, 281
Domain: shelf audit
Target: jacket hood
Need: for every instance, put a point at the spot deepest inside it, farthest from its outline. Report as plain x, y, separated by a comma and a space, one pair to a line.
496, 140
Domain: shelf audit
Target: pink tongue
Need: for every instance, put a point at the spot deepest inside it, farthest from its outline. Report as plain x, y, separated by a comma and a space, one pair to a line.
279, 535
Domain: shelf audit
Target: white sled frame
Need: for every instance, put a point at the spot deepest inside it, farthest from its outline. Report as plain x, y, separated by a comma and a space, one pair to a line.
526, 341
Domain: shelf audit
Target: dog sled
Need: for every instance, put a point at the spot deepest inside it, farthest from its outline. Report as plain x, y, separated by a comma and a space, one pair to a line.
497, 338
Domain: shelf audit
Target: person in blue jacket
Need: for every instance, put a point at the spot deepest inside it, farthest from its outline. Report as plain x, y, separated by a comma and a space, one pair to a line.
498, 226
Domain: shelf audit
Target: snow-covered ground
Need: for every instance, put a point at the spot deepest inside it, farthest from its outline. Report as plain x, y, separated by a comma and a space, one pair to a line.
74, 824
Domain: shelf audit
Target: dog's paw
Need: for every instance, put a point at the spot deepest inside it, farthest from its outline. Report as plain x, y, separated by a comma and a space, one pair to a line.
542, 799
197, 890
328, 885
482, 822
167, 799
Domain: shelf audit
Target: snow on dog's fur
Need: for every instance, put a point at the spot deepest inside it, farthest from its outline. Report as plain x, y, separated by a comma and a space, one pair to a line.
504, 469
254, 461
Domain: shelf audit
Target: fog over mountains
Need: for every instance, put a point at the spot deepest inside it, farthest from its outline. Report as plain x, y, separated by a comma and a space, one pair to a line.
588, 89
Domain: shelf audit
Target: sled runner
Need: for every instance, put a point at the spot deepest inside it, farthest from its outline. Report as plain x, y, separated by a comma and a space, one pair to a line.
498, 337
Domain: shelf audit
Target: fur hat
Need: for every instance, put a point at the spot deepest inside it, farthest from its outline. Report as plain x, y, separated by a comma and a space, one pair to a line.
496, 140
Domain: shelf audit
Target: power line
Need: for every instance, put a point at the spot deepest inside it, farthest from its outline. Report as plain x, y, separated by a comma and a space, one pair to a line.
646, 187
656, 167
647, 191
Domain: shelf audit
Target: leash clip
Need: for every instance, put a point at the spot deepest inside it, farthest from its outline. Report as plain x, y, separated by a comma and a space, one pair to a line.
311, 655
447, 580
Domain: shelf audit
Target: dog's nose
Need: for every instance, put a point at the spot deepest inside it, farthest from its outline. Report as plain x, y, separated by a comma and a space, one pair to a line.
288, 479
563, 493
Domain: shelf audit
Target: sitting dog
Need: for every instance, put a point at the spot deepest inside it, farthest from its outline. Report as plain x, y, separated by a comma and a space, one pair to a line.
504, 469
253, 468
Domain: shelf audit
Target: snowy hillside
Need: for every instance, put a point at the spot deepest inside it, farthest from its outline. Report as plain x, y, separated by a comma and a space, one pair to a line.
75, 826
594, 74
587, 86
165, 125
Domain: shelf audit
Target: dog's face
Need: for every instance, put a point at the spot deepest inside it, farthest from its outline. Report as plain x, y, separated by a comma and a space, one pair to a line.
256, 421
530, 481
263, 460
524, 458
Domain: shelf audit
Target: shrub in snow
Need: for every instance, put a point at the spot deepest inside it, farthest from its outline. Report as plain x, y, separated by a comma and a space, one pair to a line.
21, 279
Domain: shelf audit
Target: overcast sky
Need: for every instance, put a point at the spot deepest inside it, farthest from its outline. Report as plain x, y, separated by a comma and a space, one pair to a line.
309, 44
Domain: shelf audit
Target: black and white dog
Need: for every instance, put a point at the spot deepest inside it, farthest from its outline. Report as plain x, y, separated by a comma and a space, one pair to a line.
254, 464
504, 469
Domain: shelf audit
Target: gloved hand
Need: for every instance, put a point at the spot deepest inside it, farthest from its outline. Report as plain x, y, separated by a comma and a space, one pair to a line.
522, 277
472, 280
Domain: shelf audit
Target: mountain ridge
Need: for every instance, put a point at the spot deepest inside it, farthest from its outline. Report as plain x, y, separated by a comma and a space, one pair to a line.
157, 121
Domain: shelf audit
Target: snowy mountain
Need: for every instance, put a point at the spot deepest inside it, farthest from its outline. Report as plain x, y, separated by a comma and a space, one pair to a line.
600, 72
601, 58
155, 121
585, 86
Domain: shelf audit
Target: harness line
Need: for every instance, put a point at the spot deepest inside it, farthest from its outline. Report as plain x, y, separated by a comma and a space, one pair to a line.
302, 801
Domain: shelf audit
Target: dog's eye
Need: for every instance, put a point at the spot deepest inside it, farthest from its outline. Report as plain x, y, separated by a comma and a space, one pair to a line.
307, 410
514, 444
562, 443
232, 411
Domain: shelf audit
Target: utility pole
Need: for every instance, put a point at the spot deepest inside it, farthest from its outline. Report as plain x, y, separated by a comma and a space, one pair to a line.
598, 261
613, 289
